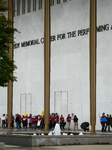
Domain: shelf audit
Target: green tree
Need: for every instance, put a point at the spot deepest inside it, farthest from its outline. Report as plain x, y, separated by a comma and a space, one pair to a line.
7, 65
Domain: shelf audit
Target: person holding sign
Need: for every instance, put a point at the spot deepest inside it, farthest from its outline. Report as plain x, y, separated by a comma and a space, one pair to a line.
103, 121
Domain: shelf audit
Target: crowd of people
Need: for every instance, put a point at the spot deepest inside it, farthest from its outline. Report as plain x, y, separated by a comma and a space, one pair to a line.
37, 122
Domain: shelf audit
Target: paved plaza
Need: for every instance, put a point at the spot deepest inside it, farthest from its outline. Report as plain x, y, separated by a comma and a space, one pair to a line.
77, 147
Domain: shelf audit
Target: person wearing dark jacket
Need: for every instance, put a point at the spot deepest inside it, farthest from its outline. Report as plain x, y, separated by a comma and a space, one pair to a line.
107, 123
17, 121
75, 119
110, 121
85, 126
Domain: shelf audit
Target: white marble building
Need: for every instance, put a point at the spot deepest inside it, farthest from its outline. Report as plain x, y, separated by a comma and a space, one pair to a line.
69, 59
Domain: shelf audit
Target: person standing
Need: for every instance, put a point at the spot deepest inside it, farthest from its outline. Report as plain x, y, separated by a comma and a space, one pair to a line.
19, 124
68, 121
22, 121
107, 123
50, 121
17, 121
43, 125
103, 120
6, 118
29, 120
110, 121
3, 120
57, 117
12, 125
35, 121
39, 122
62, 122
75, 119
25, 121
54, 120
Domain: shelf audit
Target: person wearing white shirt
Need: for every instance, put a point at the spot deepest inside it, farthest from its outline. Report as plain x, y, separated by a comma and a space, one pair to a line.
3, 120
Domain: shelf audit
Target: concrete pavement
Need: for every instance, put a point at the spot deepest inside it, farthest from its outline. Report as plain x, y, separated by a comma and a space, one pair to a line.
77, 147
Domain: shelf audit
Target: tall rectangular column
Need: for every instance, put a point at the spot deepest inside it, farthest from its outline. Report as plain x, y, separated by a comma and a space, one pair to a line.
93, 35
10, 84
46, 62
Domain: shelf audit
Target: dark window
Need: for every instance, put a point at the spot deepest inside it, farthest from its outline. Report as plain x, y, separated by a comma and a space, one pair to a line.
40, 4
34, 5
23, 6
64, 0
29, 6
58, 1
14, 8
18, 7
52, 2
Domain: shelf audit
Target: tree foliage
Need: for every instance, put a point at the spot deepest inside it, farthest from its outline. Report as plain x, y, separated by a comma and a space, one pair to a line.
7, 65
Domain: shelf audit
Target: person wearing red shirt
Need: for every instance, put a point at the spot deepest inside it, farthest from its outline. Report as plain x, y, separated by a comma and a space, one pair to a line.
54, 120
25, 121
62, 122
69, 121
57, 117
50, 121
12, 122
19, 122
32, 122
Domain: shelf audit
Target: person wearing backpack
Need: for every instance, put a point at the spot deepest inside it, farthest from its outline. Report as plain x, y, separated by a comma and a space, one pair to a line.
75, 119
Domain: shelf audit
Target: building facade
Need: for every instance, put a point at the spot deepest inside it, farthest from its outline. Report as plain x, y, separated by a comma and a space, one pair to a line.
70, 92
